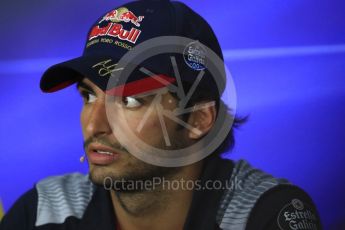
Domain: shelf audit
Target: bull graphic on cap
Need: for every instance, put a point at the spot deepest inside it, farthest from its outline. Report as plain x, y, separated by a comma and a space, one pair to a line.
122, 15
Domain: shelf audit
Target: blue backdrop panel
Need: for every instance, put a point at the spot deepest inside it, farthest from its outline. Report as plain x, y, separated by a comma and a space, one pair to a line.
287, 59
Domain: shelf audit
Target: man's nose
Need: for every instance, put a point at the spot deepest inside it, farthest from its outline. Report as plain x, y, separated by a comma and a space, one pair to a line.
97, 122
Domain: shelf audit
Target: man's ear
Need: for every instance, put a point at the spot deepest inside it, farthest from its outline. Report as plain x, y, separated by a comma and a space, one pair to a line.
202, 119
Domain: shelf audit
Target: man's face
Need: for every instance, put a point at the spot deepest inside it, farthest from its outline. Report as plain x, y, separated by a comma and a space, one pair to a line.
107, 157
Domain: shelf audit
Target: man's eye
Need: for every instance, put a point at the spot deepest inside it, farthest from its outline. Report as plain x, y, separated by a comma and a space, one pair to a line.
88, 97
131, 102
91, 98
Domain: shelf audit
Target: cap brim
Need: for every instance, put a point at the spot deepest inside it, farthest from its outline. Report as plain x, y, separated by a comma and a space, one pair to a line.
64, 74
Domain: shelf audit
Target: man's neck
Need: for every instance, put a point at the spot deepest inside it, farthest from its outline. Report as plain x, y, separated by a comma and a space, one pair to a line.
166, 205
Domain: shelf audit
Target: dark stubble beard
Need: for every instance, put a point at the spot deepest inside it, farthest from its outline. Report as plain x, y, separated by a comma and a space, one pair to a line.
138, 171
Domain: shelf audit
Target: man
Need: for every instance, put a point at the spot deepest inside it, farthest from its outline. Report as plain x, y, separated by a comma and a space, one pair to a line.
154, 128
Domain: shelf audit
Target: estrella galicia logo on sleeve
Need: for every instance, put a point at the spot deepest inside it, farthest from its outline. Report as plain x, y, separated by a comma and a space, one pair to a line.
297, 215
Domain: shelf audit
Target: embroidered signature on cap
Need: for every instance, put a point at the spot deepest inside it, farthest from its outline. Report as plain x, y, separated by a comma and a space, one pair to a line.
106, 67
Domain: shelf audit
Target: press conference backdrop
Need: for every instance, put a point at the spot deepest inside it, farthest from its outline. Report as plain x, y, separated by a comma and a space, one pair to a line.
287, 59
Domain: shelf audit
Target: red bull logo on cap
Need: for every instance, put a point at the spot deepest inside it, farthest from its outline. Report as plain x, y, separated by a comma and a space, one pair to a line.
122, 15
115, 29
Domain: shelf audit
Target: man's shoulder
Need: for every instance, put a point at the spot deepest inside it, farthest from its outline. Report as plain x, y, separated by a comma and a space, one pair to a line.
60, 189
246, 185
249, 183
62, 196
255, 199
51, 201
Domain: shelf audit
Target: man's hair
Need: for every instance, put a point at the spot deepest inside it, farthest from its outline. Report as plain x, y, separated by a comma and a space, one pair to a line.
201, 95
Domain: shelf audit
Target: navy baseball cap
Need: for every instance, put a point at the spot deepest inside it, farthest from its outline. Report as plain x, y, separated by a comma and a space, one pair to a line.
120, 30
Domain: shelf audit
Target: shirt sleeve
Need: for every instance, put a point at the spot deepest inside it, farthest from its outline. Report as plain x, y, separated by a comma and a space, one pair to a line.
284, 207
22, 214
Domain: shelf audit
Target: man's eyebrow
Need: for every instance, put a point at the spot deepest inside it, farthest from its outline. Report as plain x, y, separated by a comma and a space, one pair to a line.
81, 84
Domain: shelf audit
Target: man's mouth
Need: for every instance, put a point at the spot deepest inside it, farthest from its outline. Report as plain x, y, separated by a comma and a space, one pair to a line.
101, 155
